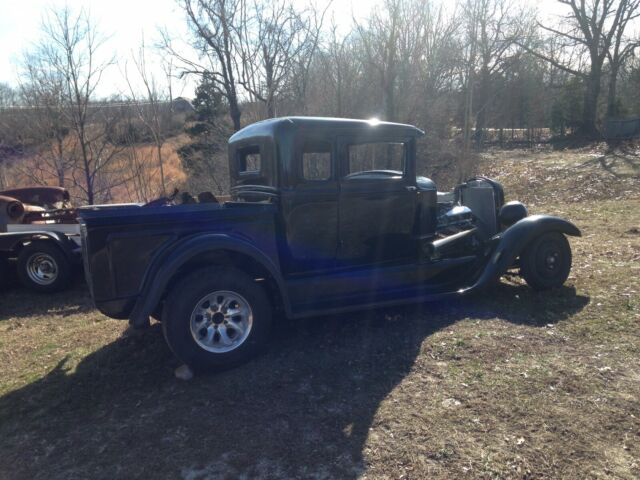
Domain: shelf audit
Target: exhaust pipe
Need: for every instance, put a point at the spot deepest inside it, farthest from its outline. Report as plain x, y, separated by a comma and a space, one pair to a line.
438, 248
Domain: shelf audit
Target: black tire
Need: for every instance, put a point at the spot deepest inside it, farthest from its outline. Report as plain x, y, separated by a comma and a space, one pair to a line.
180, 319
48, 256
546, 262
4, 273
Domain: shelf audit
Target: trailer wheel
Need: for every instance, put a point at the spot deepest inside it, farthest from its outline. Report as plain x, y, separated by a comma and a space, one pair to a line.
43, 267
216, 318
546, 262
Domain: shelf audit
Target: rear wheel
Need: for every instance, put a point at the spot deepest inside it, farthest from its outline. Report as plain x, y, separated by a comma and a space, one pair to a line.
216, 318
43, 267
546, 262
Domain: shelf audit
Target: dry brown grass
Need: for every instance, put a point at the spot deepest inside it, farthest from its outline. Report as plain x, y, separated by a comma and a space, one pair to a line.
515, 384
133, 174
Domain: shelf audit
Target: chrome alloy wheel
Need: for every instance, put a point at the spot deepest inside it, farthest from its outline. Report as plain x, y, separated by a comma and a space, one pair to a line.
42, 268
221, 321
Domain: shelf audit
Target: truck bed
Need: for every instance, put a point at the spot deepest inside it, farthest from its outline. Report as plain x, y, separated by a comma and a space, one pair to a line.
122, 244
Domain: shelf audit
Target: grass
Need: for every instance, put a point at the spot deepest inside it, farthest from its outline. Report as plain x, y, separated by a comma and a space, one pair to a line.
515, 384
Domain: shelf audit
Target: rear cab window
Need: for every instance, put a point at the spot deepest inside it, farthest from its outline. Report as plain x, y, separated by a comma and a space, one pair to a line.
249, 160
253, 178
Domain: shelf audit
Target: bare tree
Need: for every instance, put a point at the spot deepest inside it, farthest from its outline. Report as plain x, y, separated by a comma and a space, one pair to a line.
216, 29
497, 25
621, 51
334, 78
154, 109
301, 68
272, 40
379, 37
138, 164
588, 31
69, 50
44, 120
8, 96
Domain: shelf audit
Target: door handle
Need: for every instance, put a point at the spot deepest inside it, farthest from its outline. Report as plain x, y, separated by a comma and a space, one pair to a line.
411, 188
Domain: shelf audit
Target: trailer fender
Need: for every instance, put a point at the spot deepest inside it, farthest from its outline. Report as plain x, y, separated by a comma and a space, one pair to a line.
11, 242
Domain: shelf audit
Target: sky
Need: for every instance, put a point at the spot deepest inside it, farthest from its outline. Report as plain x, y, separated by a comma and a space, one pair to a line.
125, 22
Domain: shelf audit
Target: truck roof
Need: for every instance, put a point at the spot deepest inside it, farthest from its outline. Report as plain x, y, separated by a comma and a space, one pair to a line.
274, 126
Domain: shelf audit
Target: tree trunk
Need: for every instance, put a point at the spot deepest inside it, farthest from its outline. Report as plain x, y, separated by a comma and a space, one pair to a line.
60, 162
161, 165
481, 116
270, 96
612, 106
86, 164
590, 113
234, 113
468, 112
389, 97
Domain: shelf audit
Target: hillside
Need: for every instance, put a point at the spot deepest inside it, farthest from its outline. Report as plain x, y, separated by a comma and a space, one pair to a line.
132, 176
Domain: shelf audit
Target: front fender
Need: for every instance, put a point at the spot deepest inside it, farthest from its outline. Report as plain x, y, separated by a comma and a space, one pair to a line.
163, 269
515, 239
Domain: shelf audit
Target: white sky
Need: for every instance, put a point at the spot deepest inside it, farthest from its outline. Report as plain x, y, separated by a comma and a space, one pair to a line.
124, 21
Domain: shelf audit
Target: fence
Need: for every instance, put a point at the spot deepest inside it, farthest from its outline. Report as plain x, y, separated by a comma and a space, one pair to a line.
627, 128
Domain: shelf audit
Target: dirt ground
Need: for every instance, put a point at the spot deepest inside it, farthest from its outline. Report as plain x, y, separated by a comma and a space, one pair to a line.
513, 384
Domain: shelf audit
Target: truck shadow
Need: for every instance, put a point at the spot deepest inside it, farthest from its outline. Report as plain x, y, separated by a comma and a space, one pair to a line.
18, 302
305, 409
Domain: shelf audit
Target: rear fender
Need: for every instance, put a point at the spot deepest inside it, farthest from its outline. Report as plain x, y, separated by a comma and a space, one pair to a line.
161, 272
515, 239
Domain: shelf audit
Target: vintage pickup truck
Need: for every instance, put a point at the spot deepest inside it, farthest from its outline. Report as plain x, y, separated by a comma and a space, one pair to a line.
326, 215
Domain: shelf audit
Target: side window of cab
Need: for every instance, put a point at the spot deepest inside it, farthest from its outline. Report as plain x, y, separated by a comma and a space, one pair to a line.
316, 161
376, 156
374, 160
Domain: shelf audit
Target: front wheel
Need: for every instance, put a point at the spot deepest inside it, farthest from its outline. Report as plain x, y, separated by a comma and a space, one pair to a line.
546, 262
216, 318
43, 267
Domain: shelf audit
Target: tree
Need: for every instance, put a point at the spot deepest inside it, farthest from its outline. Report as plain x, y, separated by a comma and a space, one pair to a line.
588, 32
154, 109
379, 37
69, 52
620, 52
495, 26
274, 39
334, 78
201, 157
216, 34
44, 120
8, 96
301, 68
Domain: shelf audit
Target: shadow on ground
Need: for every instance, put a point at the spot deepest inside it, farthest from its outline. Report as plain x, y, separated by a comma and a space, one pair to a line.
18, 302
620, 164
302, 410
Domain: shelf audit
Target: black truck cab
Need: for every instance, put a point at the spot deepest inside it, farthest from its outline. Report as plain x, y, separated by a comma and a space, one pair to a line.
346, 189
326, 215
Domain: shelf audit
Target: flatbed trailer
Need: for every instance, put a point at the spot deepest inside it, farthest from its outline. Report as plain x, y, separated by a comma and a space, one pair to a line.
39, 232
44, 255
